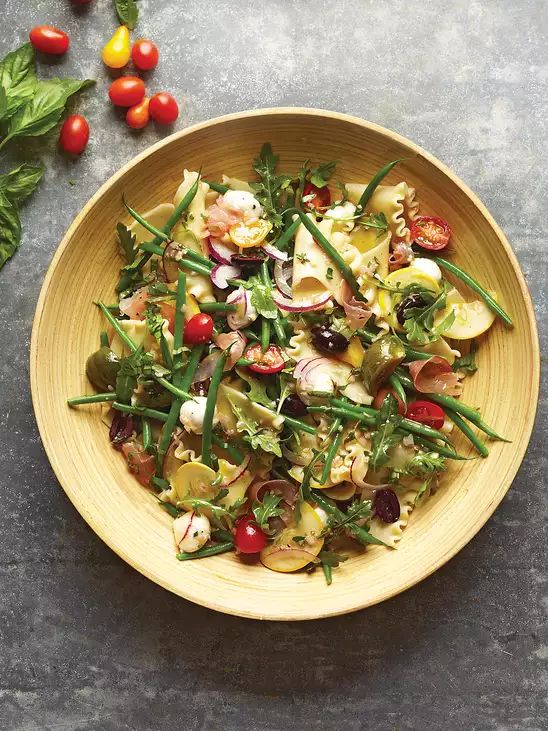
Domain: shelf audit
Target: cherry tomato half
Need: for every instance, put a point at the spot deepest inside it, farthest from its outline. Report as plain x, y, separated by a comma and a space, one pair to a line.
248, 537
321, 199
144, 54
430, 232
47, 39
381, 395
127, 91
271, 361
163, 108
74, 134
198, 329
137, 116
426, 412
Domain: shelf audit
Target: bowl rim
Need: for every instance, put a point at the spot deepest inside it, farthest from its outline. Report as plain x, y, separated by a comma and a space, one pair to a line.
48, 443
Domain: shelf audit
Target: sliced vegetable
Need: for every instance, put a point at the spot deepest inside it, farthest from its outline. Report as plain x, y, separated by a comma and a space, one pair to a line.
316, 198
430, 232
471, 319
269, 361
426, 412
286, 555
194, 480
380, 360
247, 235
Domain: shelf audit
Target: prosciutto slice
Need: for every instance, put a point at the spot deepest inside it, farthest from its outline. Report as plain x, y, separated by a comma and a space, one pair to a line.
435, 375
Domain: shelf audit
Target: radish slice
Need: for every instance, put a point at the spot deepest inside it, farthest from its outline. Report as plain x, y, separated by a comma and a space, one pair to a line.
221, 273
314, 303
275, 253
283, 276
305, 364
219, 251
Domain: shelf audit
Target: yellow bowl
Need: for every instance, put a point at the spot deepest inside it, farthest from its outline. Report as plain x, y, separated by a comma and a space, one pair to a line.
127, 517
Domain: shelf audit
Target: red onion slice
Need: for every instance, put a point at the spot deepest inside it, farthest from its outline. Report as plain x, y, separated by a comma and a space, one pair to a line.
314, 303
275, 253
283, 276
233, 340
206, 367
245, 314
221, 273
219, 251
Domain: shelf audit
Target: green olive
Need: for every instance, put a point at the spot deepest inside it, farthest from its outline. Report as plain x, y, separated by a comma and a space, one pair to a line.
102, 368
380, 360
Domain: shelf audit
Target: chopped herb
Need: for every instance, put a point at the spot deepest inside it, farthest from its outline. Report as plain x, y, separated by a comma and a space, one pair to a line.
303, 258
320, 176
268, 508
384, 435
271, 188
329, 273
467, 362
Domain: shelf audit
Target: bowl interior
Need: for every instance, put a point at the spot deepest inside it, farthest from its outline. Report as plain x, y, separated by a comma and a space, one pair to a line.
127, 517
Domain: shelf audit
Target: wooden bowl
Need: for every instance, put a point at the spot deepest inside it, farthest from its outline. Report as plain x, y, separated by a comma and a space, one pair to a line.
126, 516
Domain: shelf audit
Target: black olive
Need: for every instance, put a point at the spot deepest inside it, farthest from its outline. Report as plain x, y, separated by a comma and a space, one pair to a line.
293, 406
328, 341
200, 388
386, 505
251, 261
414, 300
121, 429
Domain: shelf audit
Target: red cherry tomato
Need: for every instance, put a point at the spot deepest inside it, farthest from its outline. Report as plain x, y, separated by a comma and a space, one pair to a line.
426, 412
198, 329
47, 39
127, 91
163, 108
430, 232
144, 54
248, 537
74, 134
141, 463
138, 117
322, 196
271, 361
381, 395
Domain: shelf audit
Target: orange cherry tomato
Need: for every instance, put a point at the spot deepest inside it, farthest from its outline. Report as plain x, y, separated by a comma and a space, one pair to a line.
144, 54
138, 117
74, 134
163, 108
126, 91
47, 39
168, 313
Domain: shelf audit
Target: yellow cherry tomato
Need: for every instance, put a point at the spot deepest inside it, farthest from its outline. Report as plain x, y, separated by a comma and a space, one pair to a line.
117, 51
247, 235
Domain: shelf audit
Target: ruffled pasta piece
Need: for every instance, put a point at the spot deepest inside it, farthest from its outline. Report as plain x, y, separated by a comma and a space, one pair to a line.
197, 285
300, 345
397, 202
373, 251
311, 265
138, 332
263, 416
391, 533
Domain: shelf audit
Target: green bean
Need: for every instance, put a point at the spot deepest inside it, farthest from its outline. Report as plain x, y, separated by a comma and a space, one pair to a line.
195, 266
298, 425
216, 307
210, 408
140, 411
435, 447
333, 254
191, 366
116, 325
467, 279
162, 484
183, 205
151, 248
265, 334
146, 433
207, 551
217, 187
169, 508
283, 242
328, 573
396, 384
178, 392
245, 361
278, 330
113, 308
149, 227
333, 449
166, 355
361, 534
96, 398
103, 339
468, 432
250, 335
236, 455
223, 535
372, 185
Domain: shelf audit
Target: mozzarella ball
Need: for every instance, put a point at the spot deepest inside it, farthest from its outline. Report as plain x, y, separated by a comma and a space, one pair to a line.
242, 200
428, 267
191, 531
343, 213
192, 415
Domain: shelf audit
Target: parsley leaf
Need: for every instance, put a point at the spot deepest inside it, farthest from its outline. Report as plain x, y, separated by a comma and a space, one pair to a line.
261, 298
320, 176
467, 362
267, 509
384, 435
270, 190
131, 367
127, 242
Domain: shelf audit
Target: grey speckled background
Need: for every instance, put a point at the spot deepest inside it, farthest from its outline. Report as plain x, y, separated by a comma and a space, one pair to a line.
86, 642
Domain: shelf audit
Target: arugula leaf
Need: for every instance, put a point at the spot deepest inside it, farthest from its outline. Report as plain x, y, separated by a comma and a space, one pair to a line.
127, 241
128, 12
422, 489
17, 79
10, 229
375, 220
256, 436
21, 182
467, 362
261, 298
43, 111
320, 176
384, 437
421, 464
269, 191
257, 389
331, 558
358, 510
266, 510
419, 321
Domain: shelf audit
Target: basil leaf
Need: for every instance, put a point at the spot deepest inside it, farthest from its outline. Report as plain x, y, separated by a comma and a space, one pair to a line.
10, 229
44, 110
20, 183
3, 103
17, 79
128, 12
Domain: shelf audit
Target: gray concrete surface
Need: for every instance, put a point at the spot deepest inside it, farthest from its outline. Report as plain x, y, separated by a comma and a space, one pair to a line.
86, 642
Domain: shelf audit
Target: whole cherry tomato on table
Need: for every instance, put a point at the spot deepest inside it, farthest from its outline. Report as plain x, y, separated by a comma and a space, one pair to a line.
47, 39
248, 537
321, 199
138, 116
426, 412
126, 91
198, 329
74, 134
163, 108
271, 361
430, 232
144, 54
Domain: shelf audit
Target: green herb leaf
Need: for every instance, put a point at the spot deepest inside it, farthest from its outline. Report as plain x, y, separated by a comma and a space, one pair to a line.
257, 389
375, 220
270, 190
256, 436
329, 273
127, 242
320, 176
20, 183
17, 79
154, 320
419, 321
10, 229
384, 437
131, 367
332, 558
128, 12
467, 362
267, 509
